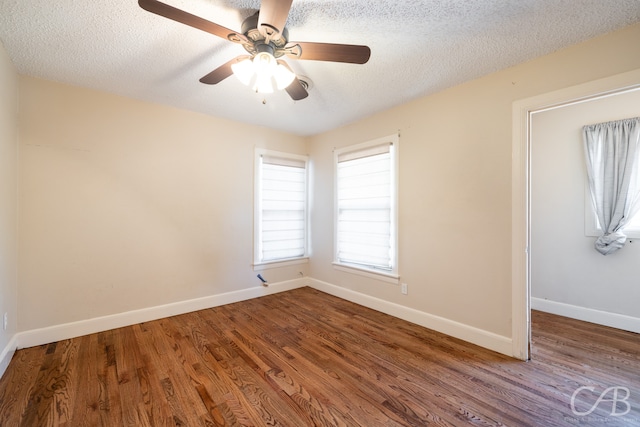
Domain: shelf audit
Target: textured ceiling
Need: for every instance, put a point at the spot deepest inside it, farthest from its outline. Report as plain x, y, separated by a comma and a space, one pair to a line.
418, 47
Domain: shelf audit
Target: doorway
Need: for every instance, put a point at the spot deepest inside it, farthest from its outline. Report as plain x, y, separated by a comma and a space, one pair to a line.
523, 118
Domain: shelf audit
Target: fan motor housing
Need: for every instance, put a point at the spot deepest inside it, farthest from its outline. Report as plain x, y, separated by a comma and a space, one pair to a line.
250, 29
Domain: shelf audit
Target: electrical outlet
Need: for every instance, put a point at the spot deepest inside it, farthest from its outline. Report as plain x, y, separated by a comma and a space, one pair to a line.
5, 321
404, 289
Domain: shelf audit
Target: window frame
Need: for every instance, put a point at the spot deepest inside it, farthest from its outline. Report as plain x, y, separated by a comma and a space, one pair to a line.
258, 263
392, 275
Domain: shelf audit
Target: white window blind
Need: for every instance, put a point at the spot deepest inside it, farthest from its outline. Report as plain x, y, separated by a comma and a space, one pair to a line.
282, 225
365, 207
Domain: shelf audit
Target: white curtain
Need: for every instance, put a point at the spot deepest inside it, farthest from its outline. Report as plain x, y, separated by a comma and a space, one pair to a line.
612, 151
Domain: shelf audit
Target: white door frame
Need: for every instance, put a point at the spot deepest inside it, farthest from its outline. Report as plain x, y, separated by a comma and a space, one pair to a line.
520, 191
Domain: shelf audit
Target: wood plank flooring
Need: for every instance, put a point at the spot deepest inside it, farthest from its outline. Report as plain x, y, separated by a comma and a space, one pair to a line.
304, 358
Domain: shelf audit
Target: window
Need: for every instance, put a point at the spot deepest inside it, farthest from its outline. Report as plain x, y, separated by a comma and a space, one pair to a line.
280, 207
366, 206
592, 225
612, 154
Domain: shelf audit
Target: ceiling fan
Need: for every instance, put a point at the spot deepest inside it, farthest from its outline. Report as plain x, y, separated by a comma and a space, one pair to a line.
265, 39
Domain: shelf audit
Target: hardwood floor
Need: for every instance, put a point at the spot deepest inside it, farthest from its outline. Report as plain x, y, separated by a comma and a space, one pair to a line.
305, 358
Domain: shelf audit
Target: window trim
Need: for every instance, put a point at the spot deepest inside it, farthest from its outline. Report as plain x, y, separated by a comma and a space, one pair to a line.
390, 276
258, 264
266, 265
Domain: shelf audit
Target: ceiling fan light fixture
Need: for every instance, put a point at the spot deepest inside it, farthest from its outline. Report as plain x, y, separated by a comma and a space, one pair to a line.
264, 63
283, 76
263, 83
263, 73
244, 71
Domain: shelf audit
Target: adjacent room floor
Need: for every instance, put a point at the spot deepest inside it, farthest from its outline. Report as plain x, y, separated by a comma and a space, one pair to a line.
307, 358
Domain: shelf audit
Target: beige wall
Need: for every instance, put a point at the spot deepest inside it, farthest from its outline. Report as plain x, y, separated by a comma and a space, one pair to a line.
126, 205
455, 184
8, 198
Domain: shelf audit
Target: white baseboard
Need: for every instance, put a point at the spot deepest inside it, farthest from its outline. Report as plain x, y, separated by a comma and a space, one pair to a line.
7, 354
98, 324
495, 342
619, 321
492, 341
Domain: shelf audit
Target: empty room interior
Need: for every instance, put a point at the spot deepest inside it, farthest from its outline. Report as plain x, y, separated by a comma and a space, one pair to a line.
394, 227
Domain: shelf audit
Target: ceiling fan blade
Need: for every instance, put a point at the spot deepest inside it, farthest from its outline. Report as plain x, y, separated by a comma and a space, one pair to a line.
222, 72
186, 18
273, 16
353, 54
296, 90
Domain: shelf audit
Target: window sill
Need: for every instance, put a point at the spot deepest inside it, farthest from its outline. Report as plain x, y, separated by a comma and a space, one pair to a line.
632, 233
372, 274
259, 266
